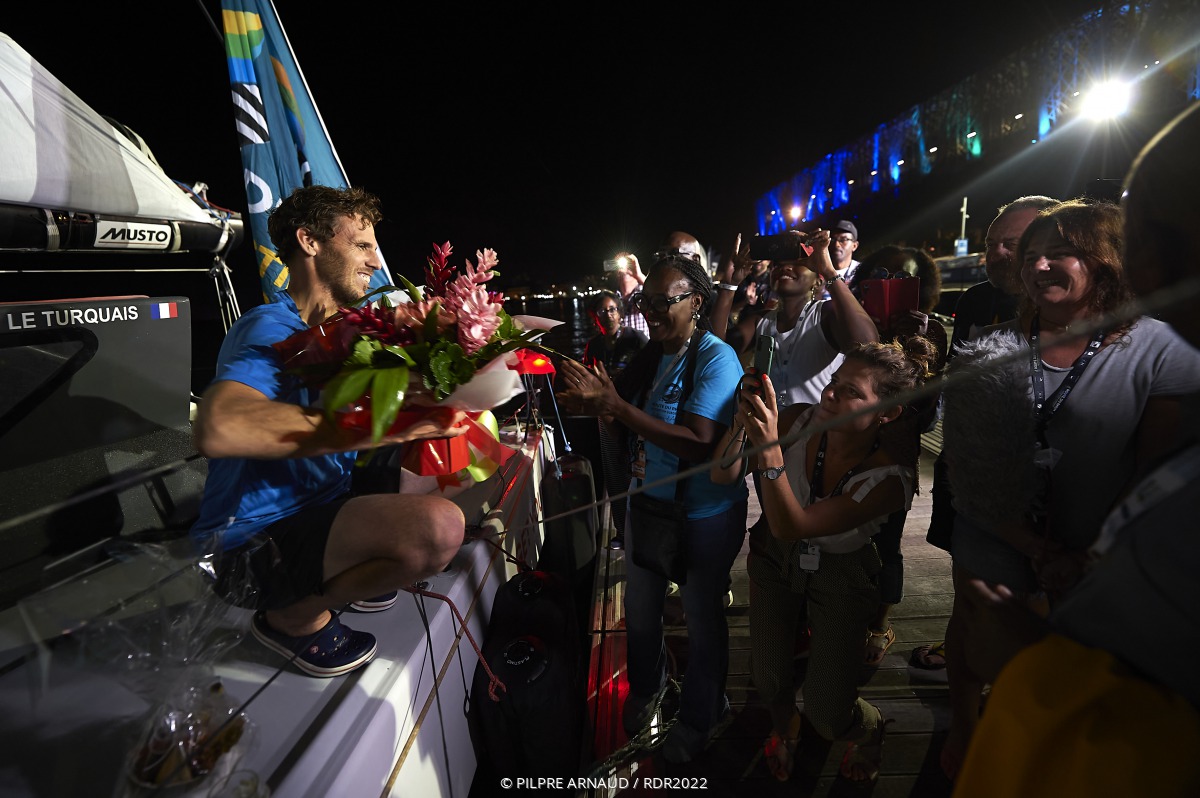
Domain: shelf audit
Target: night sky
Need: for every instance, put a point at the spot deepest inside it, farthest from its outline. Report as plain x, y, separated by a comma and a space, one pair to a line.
555, 138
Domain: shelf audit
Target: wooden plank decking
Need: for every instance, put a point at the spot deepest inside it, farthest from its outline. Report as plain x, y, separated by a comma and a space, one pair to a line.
732, 765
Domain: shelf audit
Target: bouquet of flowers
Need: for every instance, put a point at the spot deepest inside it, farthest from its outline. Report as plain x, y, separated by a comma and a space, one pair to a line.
391, 362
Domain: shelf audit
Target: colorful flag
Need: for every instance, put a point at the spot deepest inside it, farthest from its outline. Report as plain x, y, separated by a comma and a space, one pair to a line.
164, 310
283, 140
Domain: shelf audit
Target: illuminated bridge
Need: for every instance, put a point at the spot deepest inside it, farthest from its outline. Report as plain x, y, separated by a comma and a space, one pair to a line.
1063, 116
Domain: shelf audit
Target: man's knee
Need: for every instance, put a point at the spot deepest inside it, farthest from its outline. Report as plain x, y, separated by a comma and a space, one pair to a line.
429, 528
446, 526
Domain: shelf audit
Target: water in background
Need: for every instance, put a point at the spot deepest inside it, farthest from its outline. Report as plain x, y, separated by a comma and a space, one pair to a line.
576, 329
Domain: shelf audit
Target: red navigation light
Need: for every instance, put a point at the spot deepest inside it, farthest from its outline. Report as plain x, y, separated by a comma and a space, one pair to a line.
531, 362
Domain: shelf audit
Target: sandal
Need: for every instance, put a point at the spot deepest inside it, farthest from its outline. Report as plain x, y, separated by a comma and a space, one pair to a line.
878, 644
863, 759
780, 752
929, 658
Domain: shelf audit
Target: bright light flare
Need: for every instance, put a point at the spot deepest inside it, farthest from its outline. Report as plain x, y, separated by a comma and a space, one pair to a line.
1107, 100
796, 211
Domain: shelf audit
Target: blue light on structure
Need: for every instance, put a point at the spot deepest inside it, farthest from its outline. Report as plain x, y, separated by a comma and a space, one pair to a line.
875, 161
1043, 80
1046, 120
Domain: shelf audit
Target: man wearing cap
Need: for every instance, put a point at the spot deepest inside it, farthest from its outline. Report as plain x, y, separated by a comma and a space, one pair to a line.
843, 243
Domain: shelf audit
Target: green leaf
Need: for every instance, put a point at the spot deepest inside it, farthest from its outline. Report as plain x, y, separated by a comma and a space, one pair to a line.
401, 352
450, 367
413, 291
343, 389
387, 395
382, 290
507, 328
363, 352
430, 331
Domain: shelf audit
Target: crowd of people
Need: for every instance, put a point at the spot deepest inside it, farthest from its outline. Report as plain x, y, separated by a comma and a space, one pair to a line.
1061, 491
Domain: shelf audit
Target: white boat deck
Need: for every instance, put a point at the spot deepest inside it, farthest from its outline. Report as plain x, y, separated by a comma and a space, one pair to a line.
72, 706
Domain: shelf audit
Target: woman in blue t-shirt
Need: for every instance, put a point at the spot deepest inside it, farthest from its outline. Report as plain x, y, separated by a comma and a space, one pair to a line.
673, 403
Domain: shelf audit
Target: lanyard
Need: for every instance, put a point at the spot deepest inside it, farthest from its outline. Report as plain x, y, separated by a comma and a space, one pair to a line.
1043, 413
819, 469
666, 373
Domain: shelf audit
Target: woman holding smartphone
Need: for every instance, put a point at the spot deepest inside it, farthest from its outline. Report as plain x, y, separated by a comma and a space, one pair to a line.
823, 496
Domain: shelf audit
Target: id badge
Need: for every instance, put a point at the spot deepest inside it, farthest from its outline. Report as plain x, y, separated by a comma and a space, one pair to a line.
638, 466
808, 556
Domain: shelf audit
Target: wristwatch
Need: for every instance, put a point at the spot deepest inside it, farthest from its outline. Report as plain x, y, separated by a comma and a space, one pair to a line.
772, 473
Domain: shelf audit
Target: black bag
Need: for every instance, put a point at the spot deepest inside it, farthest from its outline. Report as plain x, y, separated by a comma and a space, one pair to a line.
659, 530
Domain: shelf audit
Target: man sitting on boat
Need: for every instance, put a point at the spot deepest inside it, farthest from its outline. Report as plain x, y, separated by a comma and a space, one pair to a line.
277, 500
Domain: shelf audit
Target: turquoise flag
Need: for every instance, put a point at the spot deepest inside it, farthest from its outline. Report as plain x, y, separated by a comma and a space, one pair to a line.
284, 144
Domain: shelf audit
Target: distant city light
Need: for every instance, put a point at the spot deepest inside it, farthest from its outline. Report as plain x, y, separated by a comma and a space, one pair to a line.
1107, 100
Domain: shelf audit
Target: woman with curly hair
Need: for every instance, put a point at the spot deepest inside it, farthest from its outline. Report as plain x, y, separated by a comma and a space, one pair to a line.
825, 490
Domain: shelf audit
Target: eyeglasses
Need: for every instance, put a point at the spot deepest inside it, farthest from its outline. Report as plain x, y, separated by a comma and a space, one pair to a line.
657, 303
608, 311
842, 239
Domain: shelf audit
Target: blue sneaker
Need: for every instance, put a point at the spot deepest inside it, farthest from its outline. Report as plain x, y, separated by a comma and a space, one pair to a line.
377, 604
334, 650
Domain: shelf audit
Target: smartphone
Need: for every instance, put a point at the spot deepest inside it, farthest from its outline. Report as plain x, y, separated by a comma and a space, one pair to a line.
615, 264
784, 247
764, 359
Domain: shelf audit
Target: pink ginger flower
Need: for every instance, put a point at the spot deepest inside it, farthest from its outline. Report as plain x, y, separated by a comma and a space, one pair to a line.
475, 309
487, 262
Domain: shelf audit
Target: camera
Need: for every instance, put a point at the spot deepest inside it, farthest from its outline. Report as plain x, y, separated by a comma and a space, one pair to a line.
784, 247
615, 264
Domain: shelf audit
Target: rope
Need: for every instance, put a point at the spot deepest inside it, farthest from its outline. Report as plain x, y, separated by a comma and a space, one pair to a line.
493, 680
647, 739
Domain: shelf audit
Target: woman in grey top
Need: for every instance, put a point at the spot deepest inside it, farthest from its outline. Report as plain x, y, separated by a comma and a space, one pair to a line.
1059, 422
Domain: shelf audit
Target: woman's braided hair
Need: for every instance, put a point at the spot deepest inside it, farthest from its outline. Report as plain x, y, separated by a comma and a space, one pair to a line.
697, 277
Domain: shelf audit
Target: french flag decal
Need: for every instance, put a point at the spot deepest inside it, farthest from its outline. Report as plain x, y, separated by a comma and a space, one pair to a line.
164, 310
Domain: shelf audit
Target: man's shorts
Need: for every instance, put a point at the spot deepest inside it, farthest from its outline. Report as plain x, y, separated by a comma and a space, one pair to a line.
282, 563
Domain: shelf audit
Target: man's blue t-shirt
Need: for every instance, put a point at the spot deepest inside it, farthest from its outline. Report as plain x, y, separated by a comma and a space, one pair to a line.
241, 496
713, 396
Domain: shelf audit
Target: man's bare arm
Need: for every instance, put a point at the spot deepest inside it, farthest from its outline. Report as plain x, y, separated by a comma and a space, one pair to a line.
235, 420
